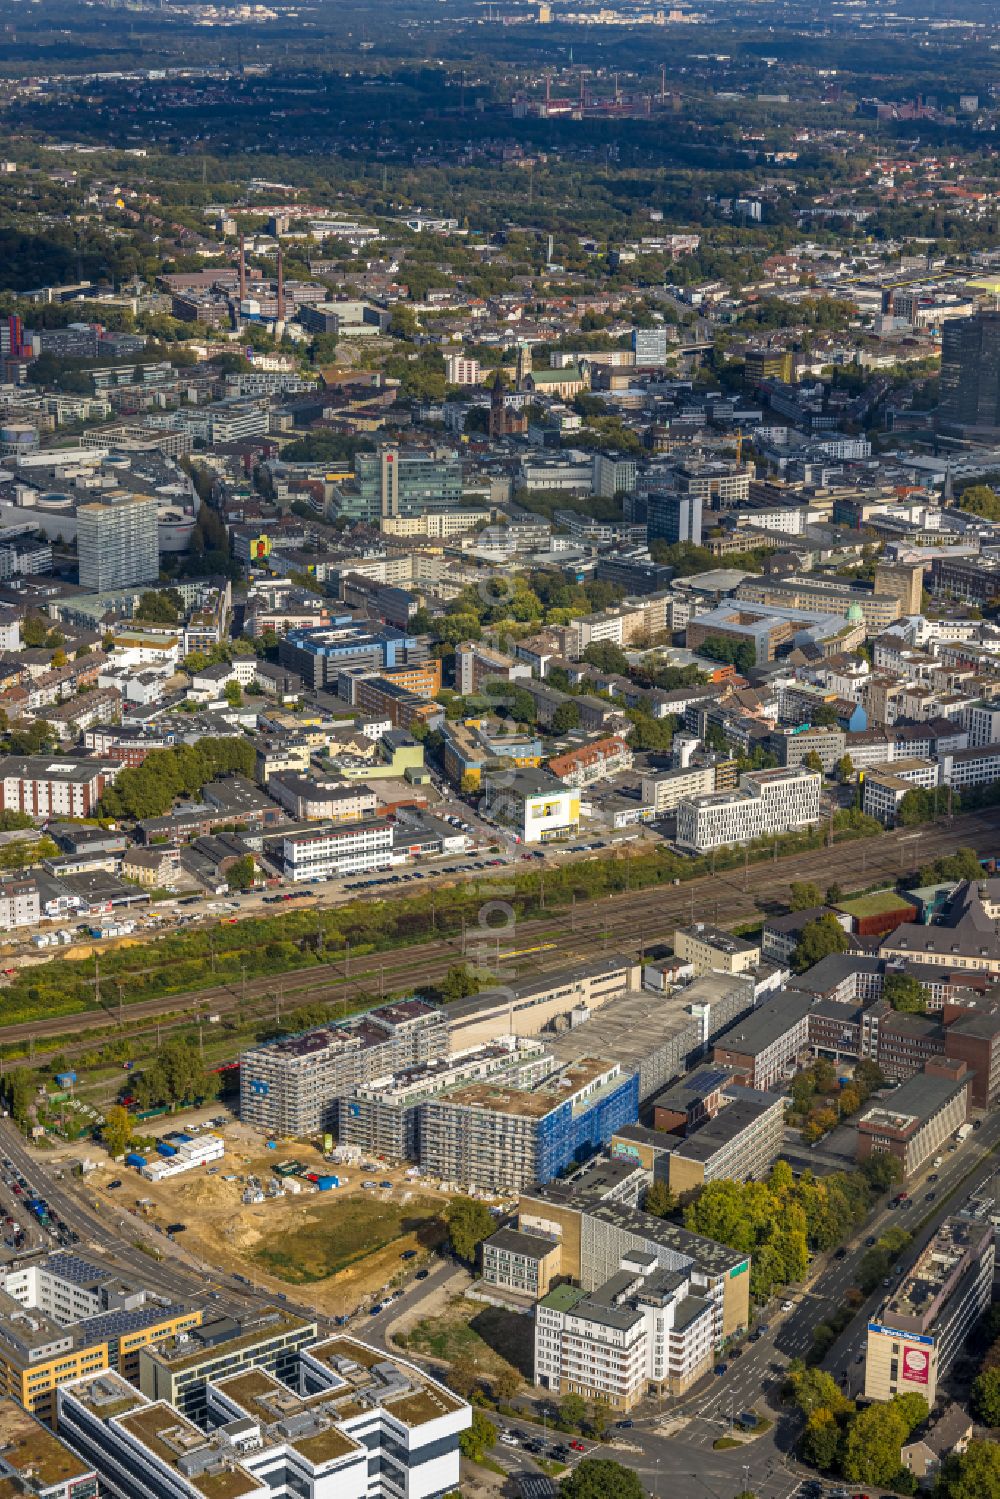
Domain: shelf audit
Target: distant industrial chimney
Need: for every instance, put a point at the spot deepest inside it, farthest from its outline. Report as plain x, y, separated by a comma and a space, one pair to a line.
243, 268
281, 289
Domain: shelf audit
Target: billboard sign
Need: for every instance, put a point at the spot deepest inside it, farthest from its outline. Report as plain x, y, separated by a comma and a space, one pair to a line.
916, 1365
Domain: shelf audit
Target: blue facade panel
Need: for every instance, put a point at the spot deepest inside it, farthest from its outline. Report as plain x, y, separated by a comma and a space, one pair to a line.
564, 1140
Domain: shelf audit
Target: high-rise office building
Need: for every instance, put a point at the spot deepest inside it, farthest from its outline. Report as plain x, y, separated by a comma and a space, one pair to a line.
649, 345
398, 482
970, 371
117, 542
674, 517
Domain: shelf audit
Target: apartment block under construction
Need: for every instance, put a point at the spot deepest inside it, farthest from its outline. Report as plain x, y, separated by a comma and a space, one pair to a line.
504, 1139
291, 1086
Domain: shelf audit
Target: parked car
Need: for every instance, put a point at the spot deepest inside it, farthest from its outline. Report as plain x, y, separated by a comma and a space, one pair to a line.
577, 1446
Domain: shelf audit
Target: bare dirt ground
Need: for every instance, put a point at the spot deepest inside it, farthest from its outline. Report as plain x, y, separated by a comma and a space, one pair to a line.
333, 1250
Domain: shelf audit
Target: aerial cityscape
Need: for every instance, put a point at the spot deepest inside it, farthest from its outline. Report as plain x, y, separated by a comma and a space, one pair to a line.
499, 749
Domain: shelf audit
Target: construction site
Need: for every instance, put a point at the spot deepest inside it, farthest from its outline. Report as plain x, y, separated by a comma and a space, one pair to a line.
287, 1217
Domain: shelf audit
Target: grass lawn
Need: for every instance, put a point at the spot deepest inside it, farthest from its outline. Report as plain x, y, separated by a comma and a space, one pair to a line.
875, 904
346, 1232
486, 1337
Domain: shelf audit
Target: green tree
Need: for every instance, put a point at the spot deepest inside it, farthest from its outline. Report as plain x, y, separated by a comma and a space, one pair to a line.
233, 694
980, 499
845, 768
872, 1444
469, 1223
916, 806
813, 762
159, 606
882, 1172
975, 1474
821, 1439
819, 938
482, 1434
506, 1383
804, 895
572, 1411
116, 1131
986, 1397
607, 656
905, 993
601, 1416
601, 1478
459, 983
660, 1201
175, 1075
566, 717
814, 1390
241, 873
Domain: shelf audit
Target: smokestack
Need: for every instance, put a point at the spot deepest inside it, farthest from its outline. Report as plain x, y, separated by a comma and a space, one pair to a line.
281, 290
243, 268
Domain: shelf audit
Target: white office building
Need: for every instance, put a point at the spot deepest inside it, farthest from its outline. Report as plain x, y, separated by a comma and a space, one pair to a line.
648, 1328
352, 1423
767, 803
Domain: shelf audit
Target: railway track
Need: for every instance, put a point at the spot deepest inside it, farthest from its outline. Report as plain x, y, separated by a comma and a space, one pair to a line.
627, 921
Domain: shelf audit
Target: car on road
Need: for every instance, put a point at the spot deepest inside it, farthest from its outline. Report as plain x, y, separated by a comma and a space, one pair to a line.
624, 1425
934, 1177
560, 1453
509, 1439
755, 1335
841, 1254
386, 1185
114, 1185
787, 1306
421, 1275
870, 1241
577, 1446
929, 1196
374, 1311
721, 1369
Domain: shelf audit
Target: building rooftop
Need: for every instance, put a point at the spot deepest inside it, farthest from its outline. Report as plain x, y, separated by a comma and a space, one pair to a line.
914, 1101
586, 1075
918, 1296
562, 1298
211, 1470
760, 1029
32, 1458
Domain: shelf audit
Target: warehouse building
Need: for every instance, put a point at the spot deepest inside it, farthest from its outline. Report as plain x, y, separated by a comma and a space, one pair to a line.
925, 1320
527, 1006
33, 1460
647, 1330
503, 1139
766, 804
709, 949
291, 1086
177, 1370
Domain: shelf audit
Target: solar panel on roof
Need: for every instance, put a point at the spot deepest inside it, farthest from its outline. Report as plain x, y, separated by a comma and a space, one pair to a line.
73, 1268
704, 1080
